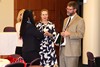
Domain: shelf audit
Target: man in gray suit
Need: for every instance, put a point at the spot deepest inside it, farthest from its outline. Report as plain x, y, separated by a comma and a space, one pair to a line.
73, 32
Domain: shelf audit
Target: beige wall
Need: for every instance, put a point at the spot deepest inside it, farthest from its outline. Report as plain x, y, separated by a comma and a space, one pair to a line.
6, 13
91, 40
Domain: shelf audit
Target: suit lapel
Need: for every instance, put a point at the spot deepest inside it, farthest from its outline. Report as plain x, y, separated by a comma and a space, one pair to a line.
65, 22
73, 20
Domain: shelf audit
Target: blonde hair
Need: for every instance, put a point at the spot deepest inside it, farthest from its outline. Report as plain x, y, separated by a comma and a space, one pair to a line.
19, 13
44, 10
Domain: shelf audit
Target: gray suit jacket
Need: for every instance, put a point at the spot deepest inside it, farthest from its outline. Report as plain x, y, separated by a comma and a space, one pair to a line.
76, 29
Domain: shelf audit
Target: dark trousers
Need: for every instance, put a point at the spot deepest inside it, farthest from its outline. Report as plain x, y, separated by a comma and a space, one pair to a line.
18, 51
29, 56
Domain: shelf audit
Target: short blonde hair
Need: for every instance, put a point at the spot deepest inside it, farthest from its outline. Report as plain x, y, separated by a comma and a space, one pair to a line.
44, 10
18, 16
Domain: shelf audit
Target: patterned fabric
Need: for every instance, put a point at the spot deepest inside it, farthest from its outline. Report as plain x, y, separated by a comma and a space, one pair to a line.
47, 51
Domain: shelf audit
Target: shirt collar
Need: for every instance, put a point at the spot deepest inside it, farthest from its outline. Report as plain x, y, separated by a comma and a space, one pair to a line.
72, 16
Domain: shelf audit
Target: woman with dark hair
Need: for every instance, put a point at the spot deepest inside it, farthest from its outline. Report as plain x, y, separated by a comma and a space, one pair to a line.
31, 37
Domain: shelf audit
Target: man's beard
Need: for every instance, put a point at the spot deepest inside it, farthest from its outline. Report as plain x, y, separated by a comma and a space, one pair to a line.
70, 14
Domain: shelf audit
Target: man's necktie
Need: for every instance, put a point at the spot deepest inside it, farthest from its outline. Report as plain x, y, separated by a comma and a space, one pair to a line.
62, 39
68, 23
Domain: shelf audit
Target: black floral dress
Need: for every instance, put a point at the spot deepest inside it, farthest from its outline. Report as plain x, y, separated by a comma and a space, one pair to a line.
47, 51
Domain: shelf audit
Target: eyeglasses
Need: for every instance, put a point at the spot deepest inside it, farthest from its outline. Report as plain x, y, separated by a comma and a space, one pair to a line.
69, 9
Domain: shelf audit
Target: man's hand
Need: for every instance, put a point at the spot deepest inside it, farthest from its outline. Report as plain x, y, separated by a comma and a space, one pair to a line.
66, 33
62, 34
